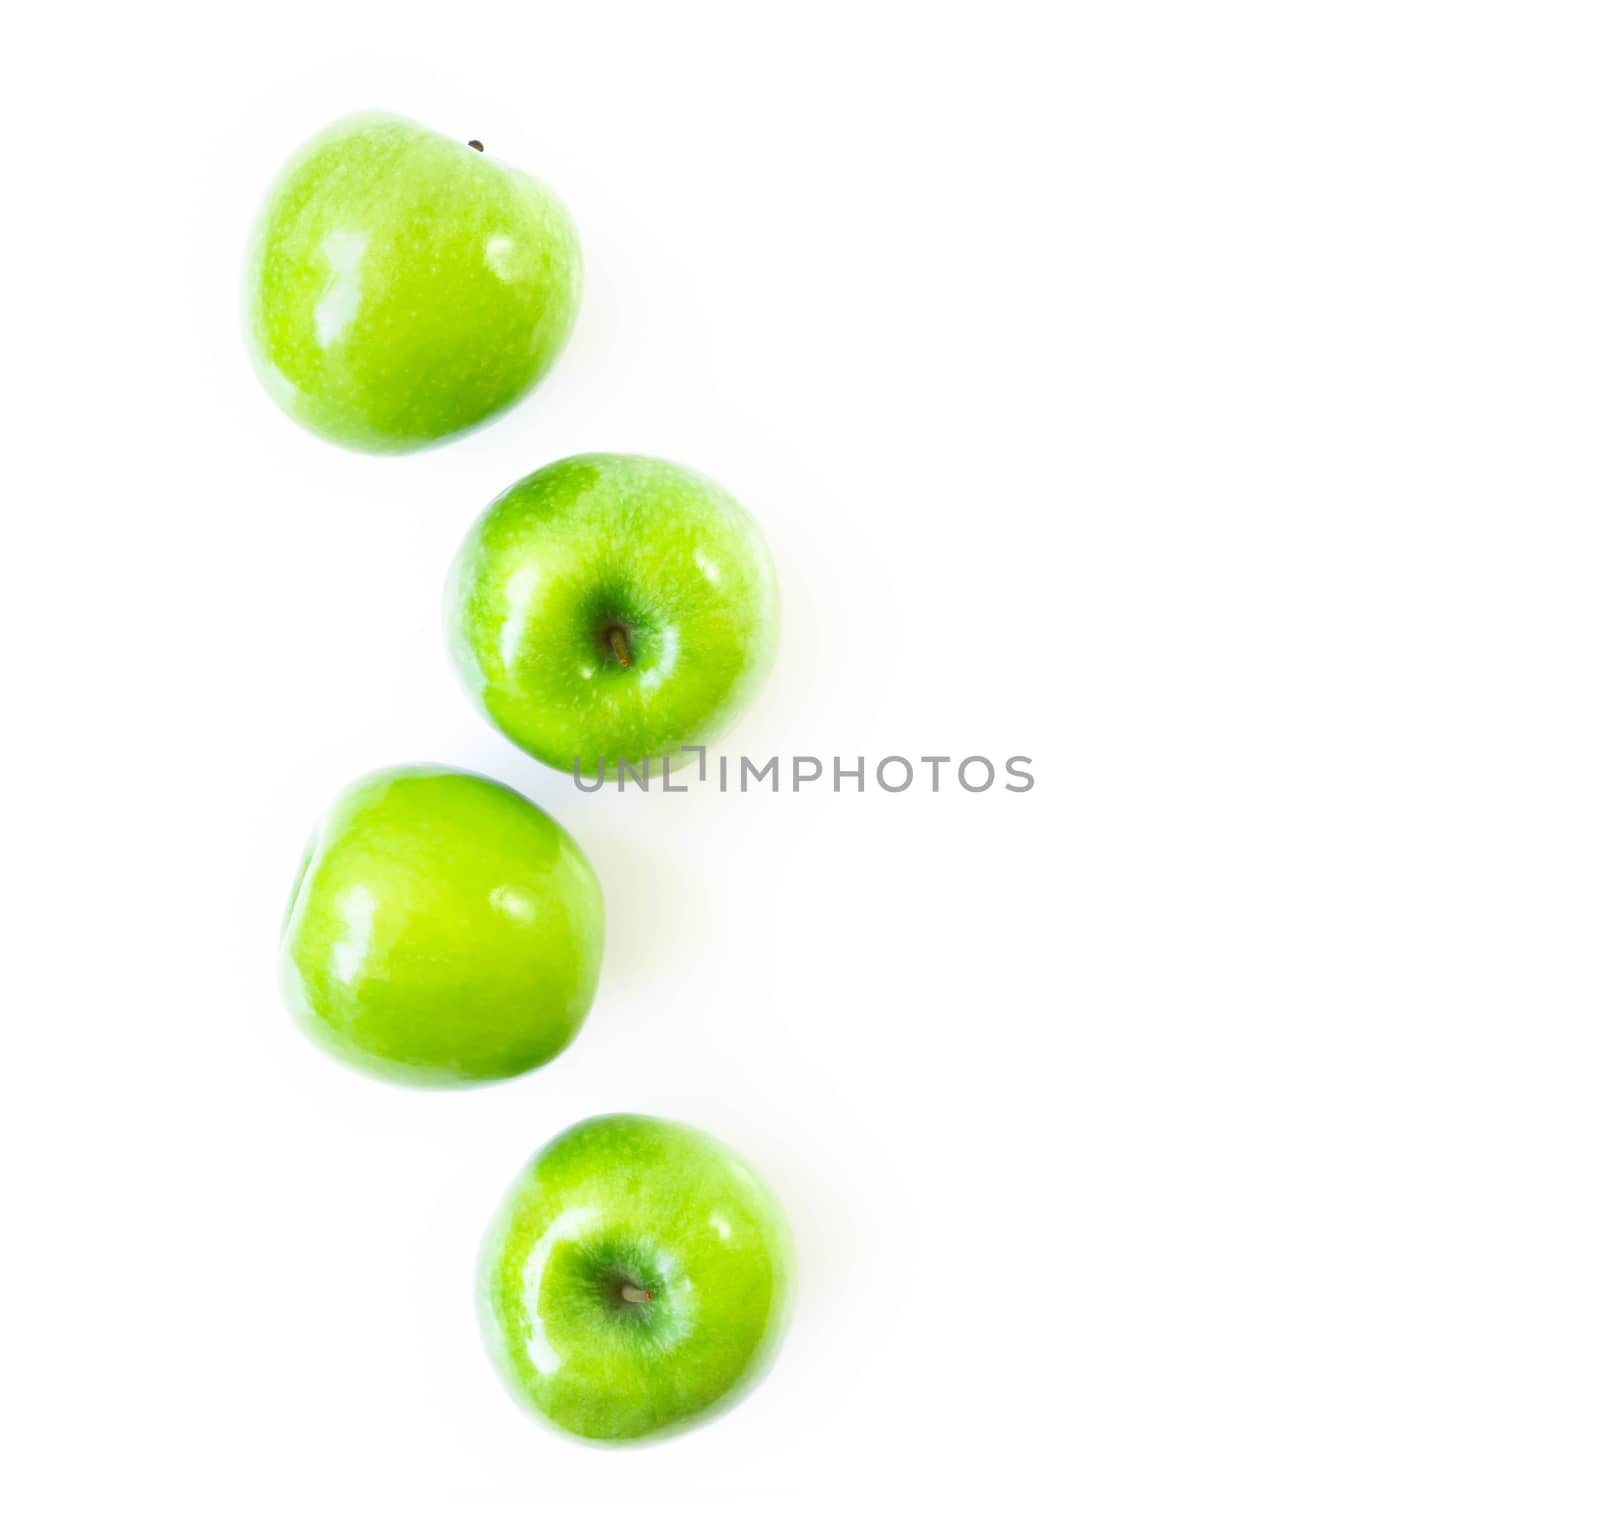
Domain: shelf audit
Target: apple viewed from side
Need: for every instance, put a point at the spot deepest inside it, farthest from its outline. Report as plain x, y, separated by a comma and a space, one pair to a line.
613, 607
442, 930
635, 1281
401, 287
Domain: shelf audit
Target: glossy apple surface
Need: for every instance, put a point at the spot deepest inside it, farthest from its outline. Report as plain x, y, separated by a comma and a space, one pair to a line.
636, 1279
401, 287
442, 931
613, 607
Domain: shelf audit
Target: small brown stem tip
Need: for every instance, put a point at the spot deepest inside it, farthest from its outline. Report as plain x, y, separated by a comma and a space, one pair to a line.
475, 144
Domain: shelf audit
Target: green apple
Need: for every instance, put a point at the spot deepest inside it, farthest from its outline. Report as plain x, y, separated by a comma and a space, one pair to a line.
443, 930
402, 287
636, 1279
613, 607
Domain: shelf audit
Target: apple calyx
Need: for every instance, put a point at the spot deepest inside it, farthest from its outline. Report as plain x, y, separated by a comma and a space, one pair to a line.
475, 144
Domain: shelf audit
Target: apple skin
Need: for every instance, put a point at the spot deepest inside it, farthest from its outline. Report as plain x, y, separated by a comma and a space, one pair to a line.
442, 931
603, 540
665, 1209
402, 288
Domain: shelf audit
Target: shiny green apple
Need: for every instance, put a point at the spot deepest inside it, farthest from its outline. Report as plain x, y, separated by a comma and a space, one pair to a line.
636, 1279
613, 607
442, 930
401, 287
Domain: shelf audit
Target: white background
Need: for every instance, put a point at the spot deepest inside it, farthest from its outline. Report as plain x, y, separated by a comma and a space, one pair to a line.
1199, 399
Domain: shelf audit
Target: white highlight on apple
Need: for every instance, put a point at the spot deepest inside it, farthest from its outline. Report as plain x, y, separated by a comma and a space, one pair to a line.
356, 908
513, 902
336, 309
501, 258
684, 1299
519, 595
569, 1226
661, 670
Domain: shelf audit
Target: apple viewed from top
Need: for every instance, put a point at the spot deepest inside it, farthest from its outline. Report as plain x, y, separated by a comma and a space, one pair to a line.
613, 607
636, 1280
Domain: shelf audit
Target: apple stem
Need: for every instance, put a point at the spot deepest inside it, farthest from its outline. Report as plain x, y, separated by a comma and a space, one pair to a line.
636, 1295
475, 144
619, 643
